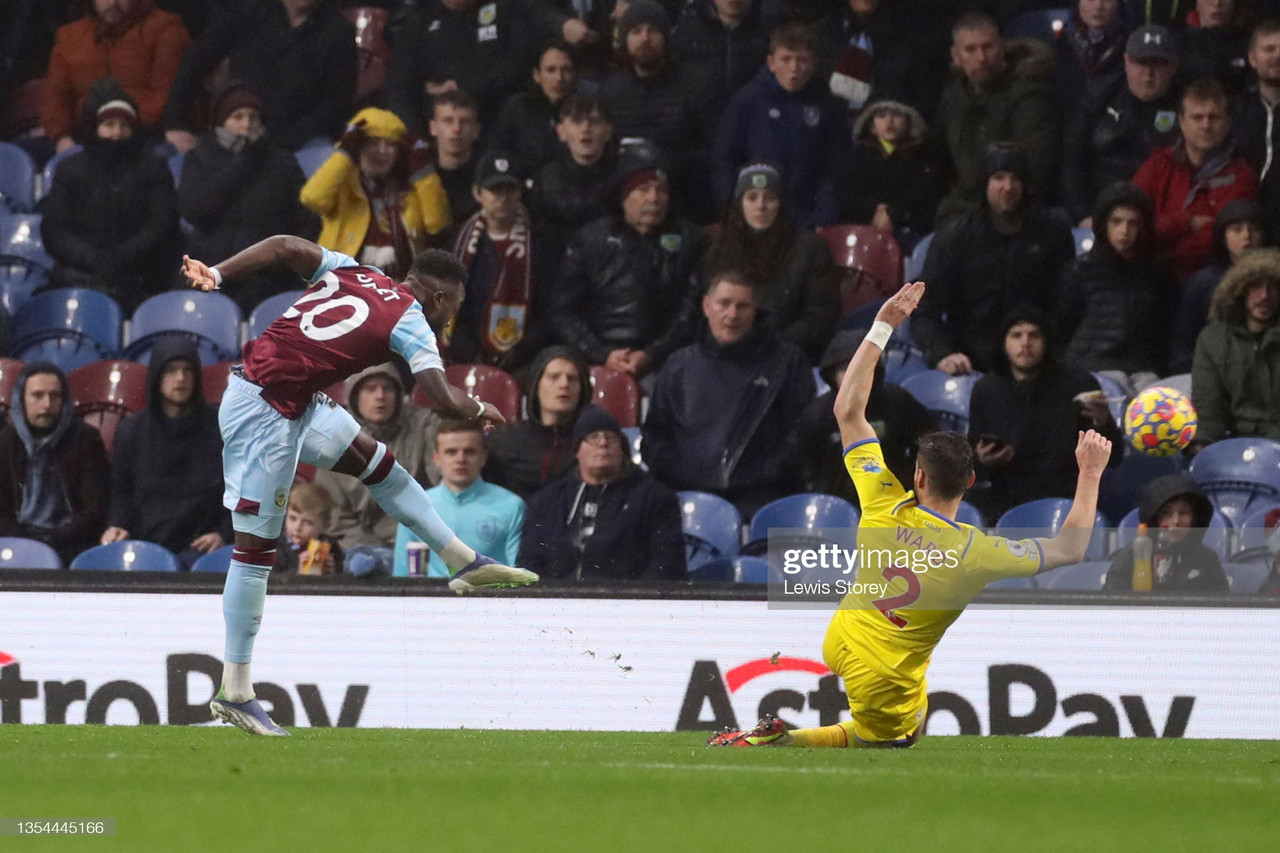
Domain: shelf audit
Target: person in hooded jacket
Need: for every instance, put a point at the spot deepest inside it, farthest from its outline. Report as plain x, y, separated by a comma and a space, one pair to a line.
898, 418
53, 466
1176, 513
1116, 299
376, 398
238, 187
527, 454
605, 521
166, 470
111, 213
1025, 417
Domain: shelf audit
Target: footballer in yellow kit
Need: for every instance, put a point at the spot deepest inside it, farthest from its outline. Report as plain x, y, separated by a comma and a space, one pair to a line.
918, 568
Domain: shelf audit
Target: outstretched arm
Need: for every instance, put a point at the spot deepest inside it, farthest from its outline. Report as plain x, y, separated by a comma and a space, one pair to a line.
444, 399
851, 401
301, 256
1093, 451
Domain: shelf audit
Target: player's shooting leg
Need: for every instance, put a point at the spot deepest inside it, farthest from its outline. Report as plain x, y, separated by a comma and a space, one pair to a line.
244, 597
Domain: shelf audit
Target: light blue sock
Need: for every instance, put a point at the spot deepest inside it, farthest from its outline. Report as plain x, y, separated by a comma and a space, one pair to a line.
407, 502
243, 599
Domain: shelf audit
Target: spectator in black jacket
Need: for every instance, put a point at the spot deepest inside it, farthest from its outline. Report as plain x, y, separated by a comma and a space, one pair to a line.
1216, 42
1116, 300
110, 215
484, 49
166, 473
871, 52
794, 275
53, 466
1254, 118
573, 189
1176, 513
526, 125
1122, 123
980, 266
527, 454
725, 41
1025, 416
1090, 48
898, 419
606, 521
628, 286
300, 54
723, 413
238, 187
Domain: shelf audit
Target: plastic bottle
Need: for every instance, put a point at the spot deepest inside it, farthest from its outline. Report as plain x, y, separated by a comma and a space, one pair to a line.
1142, 552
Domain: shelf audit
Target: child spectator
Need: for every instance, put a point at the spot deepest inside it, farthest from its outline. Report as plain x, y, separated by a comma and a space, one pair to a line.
893, 182
1177, 513
306, 521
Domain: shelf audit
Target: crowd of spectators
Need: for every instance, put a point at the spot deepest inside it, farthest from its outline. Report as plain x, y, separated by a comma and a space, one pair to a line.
636, 186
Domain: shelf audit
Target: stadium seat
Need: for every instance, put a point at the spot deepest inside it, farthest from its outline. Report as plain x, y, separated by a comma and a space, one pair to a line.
1246, 576
1044, 517
914, 265
51, 168
947, 397
132, 555
1239, 474
21, 243
901, 363
215, 561
269, 310
616, 393
20, 112
105, 392
18, 553
1080, 576
1117, 396
871, 259
372, 51
17, 179
811, 512
480, 381
712, 527
212, 319
1084, 239
87, 318
633, 441
312, 158
18, 281
1251, 536
9, 370
1178, 382
970, 514
1122, 486
214, 380
1217, 536
1039, 24
1013, 583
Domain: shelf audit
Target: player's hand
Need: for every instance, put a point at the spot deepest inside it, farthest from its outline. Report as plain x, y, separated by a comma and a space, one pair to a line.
955, 364
113, 534
491, 417
208, 543
198, 274
899, 306
1093, 451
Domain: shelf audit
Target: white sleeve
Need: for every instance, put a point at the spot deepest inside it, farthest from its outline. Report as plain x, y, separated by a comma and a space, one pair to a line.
330, 261
413, 339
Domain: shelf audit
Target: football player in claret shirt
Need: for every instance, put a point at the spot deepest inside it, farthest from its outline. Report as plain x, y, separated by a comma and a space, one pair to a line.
274, 414
880, 644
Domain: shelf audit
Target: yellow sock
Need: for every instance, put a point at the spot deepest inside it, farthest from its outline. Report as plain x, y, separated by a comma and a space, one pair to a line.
839, 735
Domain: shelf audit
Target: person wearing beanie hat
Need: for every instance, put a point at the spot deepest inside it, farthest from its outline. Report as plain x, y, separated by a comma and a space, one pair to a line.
1177, 514
795, 276
1114, 310
378, 197
239, 186
110, 217
605, 522
1007, 252
1025, 417
1241, 225
787, 116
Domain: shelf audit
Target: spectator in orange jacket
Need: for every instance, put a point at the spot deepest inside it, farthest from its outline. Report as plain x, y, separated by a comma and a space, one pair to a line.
1191, 181
130, 40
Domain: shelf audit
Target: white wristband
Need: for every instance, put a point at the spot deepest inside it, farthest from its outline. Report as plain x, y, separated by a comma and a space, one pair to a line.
479, 414
880, 333
217, 277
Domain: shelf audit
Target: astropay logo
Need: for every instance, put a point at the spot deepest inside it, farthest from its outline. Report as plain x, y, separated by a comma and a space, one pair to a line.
791, 685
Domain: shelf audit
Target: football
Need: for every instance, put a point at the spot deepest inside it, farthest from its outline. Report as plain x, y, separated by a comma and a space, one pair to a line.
1160, 421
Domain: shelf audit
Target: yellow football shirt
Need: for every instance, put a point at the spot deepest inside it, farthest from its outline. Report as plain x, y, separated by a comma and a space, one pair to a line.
917, 571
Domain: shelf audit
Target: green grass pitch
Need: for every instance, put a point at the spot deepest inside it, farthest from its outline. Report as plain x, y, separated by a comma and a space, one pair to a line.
173, 789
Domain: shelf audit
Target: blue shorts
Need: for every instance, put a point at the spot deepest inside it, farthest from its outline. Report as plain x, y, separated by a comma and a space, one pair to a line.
261, 449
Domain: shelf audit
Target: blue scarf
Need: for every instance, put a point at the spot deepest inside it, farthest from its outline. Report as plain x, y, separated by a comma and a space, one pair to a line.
45, 504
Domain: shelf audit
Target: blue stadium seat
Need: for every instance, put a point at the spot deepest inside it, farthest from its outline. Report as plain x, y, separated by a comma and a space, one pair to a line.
215, 561
17, 553
1080, 576
17, 282
1239, 474
900, 364
17, 179
1039, 24
947, 397
741, 569
21, 243
269, 310
212, 319
913, 266
1084, 239
312, 158
1217, 536
1122, 485
1044, 517
750, 570
132, 555
970, 514
84, 318
633, 440
1178, 382
1245, 577
1251, 536
51, 168
712, 527
1117, 396
811, 512
1013, 583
